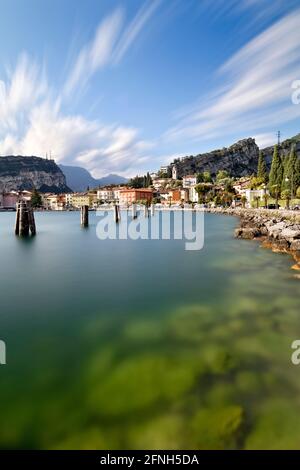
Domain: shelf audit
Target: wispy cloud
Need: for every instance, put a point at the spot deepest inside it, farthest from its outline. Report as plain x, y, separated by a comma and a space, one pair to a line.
256, 88
97, 54
134, 28
23, 88
72, 139
260, 10
109, 45
33, 119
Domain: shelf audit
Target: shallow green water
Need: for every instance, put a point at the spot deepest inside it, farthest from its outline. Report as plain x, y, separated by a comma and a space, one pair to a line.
141, 344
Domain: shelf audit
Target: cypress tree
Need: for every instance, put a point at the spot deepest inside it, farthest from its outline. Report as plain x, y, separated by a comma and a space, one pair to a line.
297, 175
285, 185
291, 170
290, 179
276, 173
262, 172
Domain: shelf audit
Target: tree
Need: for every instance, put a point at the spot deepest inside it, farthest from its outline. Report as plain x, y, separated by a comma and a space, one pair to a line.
275, 191
266, 199
286, 194
243, 200
256, 182
297, 175
36, 199
222, 175
276, 173
262, 172
207, 177
140, 181
200, 178
257, 199
202, 190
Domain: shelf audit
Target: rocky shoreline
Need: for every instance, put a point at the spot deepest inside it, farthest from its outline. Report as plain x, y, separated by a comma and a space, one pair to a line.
277, 229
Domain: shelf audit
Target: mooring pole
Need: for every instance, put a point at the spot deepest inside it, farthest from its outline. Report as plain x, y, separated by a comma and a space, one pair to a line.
146, 212
17, 225
31, 220
152, 209
84, 216
116, 213
133, 210
23, 220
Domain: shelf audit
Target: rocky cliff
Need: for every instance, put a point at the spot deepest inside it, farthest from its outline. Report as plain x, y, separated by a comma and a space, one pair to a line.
25, 173
240, 159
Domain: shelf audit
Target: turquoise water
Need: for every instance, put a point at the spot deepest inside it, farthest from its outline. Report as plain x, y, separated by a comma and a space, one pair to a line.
141, 344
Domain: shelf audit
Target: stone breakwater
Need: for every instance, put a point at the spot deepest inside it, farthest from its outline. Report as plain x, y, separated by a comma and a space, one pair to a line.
278, 230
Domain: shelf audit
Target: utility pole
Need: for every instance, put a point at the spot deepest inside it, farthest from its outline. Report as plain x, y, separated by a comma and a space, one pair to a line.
278, 137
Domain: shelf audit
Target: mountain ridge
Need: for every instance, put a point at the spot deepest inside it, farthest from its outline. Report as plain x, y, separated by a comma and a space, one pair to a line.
79, 179
239, 159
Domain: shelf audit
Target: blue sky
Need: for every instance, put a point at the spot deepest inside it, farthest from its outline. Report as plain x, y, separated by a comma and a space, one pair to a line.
125, 86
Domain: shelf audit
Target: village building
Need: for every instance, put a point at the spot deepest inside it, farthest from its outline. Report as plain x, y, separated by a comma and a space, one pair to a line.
128, 196
189, 180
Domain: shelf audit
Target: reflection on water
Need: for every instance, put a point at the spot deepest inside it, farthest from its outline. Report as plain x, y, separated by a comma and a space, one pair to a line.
122, 344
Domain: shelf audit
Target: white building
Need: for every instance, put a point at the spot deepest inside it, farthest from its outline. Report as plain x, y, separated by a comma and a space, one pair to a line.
252, 194
174, 172
164, 169
109, 194
105, 194
193, 195
189, 180
160, 183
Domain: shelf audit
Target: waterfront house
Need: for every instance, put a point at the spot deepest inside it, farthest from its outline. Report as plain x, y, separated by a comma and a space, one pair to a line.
128, 196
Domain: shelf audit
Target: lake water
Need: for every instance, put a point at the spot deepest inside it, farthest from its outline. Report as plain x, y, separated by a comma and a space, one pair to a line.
142, 344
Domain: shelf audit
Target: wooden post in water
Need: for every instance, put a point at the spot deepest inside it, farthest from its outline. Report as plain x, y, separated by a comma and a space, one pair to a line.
23, 220
17, 225
146, 211
152, 210
84, 216
31, 220
116, 213
133, 210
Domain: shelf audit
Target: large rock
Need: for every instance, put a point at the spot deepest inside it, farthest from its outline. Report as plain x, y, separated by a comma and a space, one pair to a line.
295, 245
276, 229
290, 233
25, 173
247, 233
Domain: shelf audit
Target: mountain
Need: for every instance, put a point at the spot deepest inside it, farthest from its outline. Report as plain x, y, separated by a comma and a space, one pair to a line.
78, 178
25, 173
240, 159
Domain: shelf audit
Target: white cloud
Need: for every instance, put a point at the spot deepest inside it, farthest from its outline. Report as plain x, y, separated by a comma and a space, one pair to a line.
22, 89
75, 140
256, 89
134, 28
109, 44
259, 11
96, 54
265, 140
32, 117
